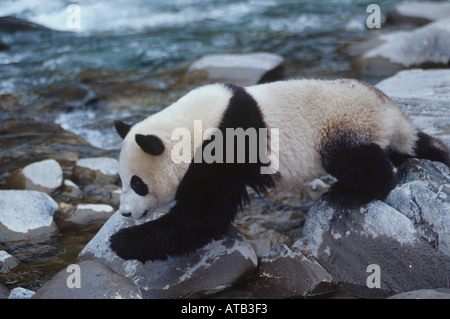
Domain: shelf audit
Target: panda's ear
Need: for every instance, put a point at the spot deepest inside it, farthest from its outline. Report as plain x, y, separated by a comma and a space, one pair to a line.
122, 128
150, 144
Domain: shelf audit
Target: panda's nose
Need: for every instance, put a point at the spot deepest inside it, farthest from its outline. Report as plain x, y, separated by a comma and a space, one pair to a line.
126, 214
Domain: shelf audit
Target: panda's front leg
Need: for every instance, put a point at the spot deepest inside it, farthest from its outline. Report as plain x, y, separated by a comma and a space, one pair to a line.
136, 243
181, 231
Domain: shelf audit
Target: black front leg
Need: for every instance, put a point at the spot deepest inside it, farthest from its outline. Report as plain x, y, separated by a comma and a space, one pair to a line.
183, 230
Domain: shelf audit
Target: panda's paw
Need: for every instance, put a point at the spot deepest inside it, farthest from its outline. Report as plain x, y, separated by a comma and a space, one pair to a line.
135, 242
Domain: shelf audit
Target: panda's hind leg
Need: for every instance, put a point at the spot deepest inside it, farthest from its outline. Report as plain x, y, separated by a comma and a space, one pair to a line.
363, 171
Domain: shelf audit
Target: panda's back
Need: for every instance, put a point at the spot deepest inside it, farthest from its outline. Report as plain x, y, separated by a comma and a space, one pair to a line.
310, 113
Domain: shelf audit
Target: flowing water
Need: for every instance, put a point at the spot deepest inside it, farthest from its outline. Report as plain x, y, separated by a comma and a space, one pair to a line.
133, 55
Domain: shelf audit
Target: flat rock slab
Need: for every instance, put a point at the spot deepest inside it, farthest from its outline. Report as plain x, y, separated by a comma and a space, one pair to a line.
95, 281
241, 69
212, 268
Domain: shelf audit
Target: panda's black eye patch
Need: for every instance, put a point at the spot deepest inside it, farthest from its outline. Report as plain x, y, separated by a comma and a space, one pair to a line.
138, 185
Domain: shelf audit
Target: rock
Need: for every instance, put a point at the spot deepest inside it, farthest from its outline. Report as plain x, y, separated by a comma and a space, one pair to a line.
8, 101
99, 170
423, 94
45, 176
3, 47
425, 202
70, 192
85, 214
7, 262
418, 13
427, 46
284, 273
96, 281
193, 275
424, 294
347, 242
27, 141
20, 293
72, 95
4, 292
12, 24
25, 214
241, 69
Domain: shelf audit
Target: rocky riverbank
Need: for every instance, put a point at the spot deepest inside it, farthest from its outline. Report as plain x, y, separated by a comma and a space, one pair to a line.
59, 193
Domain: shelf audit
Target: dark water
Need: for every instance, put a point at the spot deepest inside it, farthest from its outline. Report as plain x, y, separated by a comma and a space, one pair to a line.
133, 55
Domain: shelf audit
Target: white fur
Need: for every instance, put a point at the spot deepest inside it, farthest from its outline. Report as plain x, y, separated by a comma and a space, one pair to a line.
306, 112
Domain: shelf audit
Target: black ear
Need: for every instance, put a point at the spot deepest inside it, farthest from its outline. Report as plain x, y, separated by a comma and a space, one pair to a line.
122, 128
150, 144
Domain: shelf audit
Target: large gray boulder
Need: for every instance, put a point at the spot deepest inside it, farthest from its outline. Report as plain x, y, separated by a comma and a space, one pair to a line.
26, 214
406, 236
95, 281
212, 268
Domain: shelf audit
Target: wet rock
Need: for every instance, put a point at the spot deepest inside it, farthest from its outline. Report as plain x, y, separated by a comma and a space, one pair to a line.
423, 94
284, 273
7, 262
27, 141
96, 282
20, 293
98, 170
427, 46
424, 294
25, 214
44, 176
193, 275
84, 213
347, 242
418, 13
73, 95
3, 47
4, 292
70, 192
12, 24
9, 102
241, 69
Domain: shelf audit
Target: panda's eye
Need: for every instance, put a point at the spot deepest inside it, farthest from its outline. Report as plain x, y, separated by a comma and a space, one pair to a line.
138, 186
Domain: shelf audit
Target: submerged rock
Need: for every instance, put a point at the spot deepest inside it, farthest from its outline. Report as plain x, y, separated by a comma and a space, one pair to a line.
418, 13
25, 214
347, 242
96, 281
74, 95
45, 176
241, 69
212, 268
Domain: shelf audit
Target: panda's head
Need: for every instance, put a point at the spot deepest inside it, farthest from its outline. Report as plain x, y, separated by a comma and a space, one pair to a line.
149, 177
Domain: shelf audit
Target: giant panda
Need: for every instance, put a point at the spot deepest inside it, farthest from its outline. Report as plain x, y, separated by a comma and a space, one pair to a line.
344, 128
